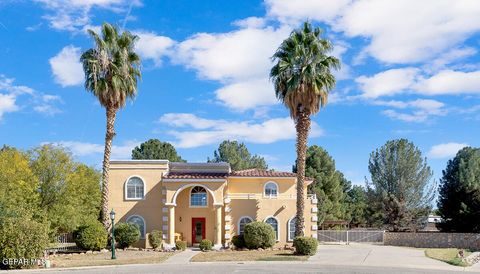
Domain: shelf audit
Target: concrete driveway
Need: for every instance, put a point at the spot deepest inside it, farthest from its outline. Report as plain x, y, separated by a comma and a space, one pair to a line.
379, 255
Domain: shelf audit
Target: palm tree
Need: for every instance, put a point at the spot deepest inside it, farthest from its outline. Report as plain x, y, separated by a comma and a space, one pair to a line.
112, 69
302, 79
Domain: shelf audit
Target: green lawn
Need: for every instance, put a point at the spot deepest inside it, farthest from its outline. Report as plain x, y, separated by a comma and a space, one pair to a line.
448, 255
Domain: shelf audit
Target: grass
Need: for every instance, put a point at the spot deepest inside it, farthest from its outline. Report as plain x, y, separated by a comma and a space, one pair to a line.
123, 257
250, 255
448, 255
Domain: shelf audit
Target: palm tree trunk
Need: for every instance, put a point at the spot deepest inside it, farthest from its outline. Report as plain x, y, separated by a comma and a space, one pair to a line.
111, 114
303, 127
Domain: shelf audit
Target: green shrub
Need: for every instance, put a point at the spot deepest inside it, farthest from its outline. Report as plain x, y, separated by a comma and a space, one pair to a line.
205, 245
21, 237
305, 245
155, 238
259, 235
126, 234
238, 241
91, 236
181, 245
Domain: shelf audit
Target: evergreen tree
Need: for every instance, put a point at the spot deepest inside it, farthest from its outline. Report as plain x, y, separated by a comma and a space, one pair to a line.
459, 200
356, 204
156, 149
238, 156
401, 191
329, 184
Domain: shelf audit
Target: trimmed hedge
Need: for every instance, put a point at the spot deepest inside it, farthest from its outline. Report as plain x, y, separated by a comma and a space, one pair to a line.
126, 234
155, 238
181, 245
21, 238
259, 235
91, 236
238, 241
305, 245
205, 245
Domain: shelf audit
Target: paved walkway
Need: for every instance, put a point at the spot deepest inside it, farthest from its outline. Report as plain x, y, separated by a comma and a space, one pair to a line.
183, 257
379, 255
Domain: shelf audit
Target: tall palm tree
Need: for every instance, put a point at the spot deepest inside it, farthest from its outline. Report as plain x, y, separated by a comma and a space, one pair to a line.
112, 69
302, 77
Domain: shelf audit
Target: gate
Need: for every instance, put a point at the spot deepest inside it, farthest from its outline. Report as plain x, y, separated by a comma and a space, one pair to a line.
63, 242
349, 236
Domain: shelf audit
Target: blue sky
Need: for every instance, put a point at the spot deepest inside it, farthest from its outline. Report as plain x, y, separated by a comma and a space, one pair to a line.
411, 69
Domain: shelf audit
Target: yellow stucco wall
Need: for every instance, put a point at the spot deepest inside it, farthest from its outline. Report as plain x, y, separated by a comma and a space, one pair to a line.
159, 194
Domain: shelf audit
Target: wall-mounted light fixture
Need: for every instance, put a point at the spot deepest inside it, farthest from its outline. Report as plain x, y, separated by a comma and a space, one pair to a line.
180, 219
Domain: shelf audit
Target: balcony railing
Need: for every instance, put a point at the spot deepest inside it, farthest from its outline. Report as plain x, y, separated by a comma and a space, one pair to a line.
253, 196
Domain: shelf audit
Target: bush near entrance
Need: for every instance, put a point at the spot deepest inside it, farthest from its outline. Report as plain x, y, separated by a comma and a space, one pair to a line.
181, 245
305, 245
91, 236
259, 235
205, 245
238, 241
155, 238
126, 234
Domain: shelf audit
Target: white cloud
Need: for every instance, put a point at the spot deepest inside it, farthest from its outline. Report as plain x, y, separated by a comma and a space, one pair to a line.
7, 104
387, 83
250, 22
402, 32
74, 15
193, 131
410, 80
123, 151
420, 110
66, 67
248, 94
153, 46
446, 150
46, 104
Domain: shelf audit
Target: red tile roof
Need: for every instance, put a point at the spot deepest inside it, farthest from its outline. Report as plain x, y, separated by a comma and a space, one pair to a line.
199, 175
254, 172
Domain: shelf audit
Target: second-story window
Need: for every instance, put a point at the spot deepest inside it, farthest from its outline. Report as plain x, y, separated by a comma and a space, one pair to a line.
198, 197
135, 189
271, 189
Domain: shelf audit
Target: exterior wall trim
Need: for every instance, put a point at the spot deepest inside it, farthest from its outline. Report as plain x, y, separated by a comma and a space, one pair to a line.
125, 188
166, 180
139, 162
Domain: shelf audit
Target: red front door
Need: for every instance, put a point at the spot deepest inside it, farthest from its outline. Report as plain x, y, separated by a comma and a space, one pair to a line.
198, 230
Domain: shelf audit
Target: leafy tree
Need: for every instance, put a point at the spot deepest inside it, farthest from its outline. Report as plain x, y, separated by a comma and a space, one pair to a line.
238, 156
459, 199
328, 184
400, 191
302, 79
69, 191
156, 149
356, 204
18, 184
112, 69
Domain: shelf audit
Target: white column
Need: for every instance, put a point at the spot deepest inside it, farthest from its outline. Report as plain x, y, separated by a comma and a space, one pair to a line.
218, 226
171, 225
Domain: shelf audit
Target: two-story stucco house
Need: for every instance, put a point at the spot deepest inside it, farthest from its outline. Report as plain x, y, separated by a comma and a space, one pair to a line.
195, 201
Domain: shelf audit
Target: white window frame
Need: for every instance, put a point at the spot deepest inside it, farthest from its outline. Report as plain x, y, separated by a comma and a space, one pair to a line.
144, 188
144, 225
190, 197
289, 230
238, 223
265, 187
278, 226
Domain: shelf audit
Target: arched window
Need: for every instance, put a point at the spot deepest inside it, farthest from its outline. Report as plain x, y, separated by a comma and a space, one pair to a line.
271, 189
291, 228
198, 197
140, 222
242, 223
274, 223
135, 188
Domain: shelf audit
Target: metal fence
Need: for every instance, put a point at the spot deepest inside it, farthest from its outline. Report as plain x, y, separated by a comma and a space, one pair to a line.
63, 242
349, 236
